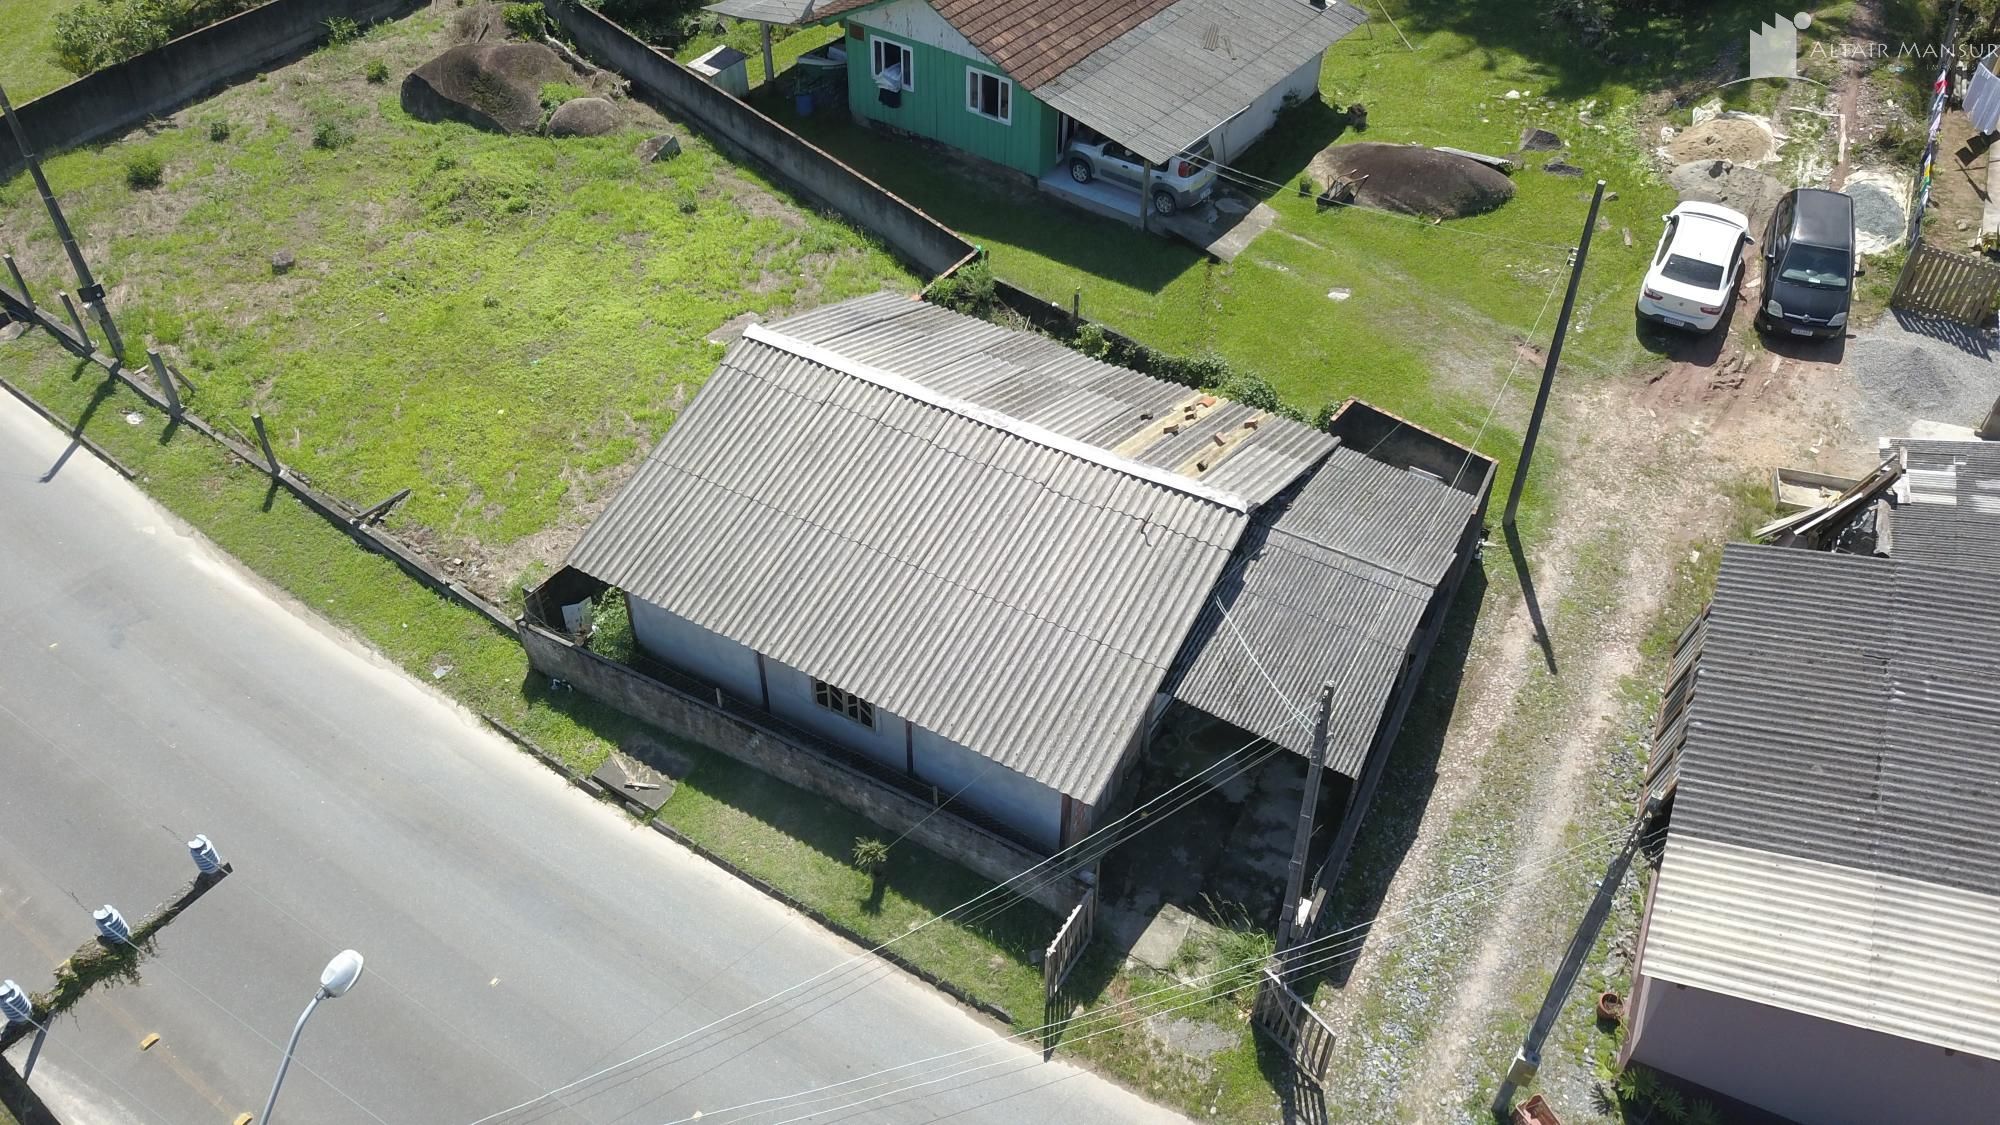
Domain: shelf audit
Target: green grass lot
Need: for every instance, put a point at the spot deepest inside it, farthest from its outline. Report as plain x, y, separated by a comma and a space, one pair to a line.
746, 37
27, 49
503, 323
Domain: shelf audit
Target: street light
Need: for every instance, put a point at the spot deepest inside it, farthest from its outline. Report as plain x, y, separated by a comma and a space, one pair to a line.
334, 981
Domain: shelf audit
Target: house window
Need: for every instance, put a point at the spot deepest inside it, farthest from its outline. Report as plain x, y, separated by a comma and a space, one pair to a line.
894, 63
844, 703
989, 96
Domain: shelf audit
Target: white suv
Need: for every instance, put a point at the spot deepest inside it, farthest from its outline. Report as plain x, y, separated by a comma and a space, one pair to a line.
1181, 182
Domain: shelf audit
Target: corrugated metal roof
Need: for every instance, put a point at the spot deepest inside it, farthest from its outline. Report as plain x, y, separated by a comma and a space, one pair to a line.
1044, 383
1172, 79
1951, 508
1896, 955
1329, 584
1016, 599
781, 12
1847, 715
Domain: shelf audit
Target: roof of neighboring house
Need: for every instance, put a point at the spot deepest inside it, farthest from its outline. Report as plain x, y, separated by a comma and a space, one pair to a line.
1949, 503
1191, 66
996, 538
1835, 841
1154, 75
1329, 584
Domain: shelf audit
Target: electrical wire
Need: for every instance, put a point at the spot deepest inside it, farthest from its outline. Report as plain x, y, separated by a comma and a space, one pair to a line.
1328, 950
100, 1072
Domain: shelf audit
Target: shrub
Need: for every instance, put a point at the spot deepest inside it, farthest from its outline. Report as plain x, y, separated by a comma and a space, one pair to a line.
144, 170
218, 129
340, 30
871, 856
377, 72
524, 20
329, 134
968, 290
687, 203
1091, 341
96, 33
554, 94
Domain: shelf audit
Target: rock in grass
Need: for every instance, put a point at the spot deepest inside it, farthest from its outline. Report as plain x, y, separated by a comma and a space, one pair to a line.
1539, 140
1561, 168
282, 262
666, 146
583, 117
494, 86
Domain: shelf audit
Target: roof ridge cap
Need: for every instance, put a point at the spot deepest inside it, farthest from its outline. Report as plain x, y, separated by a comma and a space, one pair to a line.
986, 416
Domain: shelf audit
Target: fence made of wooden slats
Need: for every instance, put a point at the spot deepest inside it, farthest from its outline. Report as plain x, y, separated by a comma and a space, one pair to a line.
1061, 956
1943, 283
1291, 1023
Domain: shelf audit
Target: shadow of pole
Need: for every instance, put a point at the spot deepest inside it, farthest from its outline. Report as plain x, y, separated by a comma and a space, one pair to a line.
97, 398
1534, 605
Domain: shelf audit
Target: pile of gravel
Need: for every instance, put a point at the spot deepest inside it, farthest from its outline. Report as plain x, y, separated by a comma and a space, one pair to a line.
1919, 370
1735, 186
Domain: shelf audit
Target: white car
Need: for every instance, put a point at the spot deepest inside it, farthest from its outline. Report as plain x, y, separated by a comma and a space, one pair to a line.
1694, 273
1181, 182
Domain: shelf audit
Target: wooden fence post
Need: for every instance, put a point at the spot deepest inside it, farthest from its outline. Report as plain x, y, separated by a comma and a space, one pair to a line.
166, 382
20, 282
264, 439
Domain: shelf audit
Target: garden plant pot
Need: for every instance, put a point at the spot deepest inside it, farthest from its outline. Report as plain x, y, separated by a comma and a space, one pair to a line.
1610, 1007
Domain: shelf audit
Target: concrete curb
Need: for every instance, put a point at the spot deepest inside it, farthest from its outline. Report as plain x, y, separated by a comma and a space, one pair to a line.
595, 789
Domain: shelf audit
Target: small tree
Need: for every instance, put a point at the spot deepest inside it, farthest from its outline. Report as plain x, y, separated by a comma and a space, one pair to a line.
871, 856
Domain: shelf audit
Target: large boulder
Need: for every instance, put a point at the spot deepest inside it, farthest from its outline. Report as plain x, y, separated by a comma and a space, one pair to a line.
583, 117
495, 86
1413, 179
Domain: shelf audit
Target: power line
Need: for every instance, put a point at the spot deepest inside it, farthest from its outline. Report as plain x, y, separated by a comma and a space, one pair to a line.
992, 893
1328, 950
78, 1052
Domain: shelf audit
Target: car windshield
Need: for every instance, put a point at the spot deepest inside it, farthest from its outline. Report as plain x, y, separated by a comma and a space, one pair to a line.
1692, 271
1816, 266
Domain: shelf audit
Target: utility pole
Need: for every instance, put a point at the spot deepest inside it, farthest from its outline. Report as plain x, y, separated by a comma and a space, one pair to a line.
118, 948
1528, 1061
1555, 355
1295, 872
87, 286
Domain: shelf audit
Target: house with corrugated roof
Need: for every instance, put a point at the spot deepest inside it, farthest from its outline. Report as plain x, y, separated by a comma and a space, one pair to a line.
1012, 81
1822, 939
979, 565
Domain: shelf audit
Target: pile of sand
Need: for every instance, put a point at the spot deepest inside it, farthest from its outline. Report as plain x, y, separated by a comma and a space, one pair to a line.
1739, 138
1412, 179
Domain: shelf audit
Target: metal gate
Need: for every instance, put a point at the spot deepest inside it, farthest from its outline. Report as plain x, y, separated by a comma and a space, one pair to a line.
1285, 1016
1942, 283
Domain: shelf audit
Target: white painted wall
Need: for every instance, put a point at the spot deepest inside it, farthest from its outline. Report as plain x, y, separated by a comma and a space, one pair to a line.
1237, 133
792, 699
682, 644
1803, 1067
1031, 808
917, 22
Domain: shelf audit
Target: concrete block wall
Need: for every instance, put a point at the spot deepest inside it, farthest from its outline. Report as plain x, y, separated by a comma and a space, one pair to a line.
163, 80
701, 722
919, 239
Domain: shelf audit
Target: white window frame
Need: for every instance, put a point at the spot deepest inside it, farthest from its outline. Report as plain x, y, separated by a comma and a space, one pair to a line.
909, 58
844, 703
973, 75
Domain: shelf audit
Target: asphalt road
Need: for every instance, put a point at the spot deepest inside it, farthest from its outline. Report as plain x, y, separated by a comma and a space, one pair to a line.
518, 935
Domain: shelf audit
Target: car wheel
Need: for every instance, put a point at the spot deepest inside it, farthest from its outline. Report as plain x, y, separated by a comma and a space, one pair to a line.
1163, 202
1079, 170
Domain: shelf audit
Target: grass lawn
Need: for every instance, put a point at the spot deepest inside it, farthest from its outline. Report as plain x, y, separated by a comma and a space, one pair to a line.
746, 37
502, 323
27, 50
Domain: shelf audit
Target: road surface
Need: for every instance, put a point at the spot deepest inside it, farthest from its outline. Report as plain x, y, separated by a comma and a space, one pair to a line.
518, 934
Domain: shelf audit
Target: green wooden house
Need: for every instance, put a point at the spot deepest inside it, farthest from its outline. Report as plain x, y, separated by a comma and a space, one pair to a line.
1011, 81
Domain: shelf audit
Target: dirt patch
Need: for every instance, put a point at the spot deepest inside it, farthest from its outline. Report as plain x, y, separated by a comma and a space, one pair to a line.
1413, 180
1195, 1038
1739, 138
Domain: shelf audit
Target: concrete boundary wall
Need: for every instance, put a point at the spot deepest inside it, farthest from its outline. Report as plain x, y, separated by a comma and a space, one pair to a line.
700, 722
163, 80
916, 237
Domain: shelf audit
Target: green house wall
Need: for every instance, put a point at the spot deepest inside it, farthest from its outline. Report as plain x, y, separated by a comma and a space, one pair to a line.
936, 108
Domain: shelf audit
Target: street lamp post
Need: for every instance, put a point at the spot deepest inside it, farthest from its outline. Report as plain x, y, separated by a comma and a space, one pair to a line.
334, 981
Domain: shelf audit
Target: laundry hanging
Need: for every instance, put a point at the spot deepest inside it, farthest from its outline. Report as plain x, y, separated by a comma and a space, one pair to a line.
1982, 98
